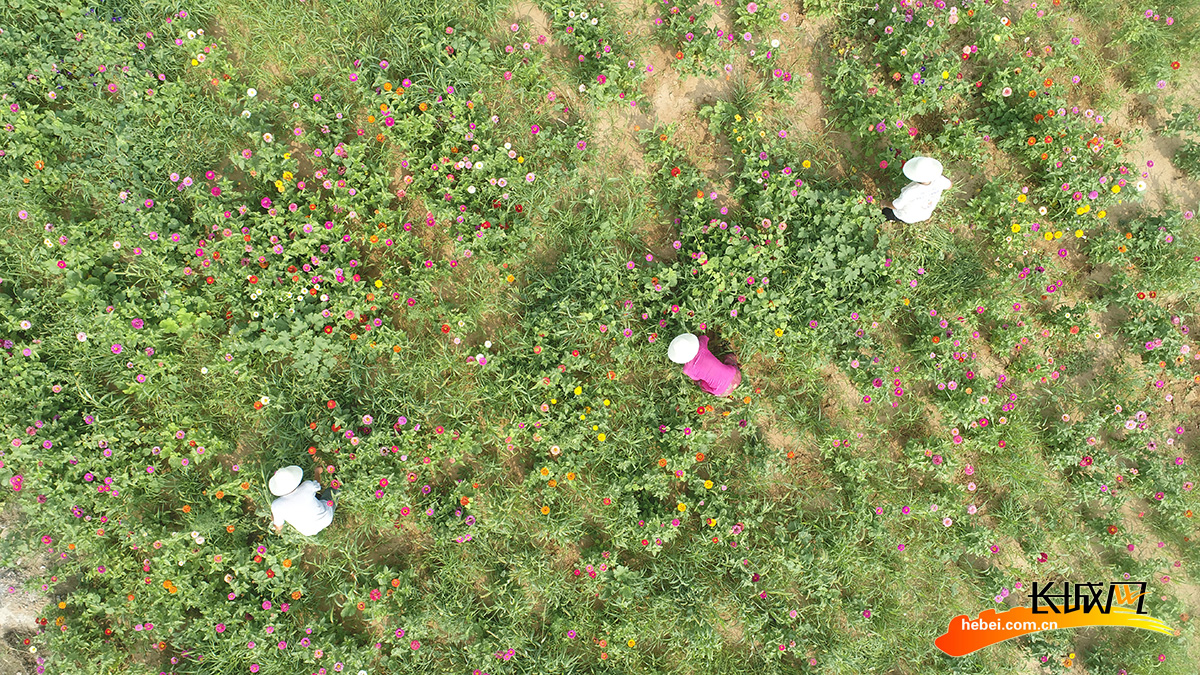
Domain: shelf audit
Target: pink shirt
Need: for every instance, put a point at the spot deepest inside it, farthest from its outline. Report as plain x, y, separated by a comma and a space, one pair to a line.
715, 376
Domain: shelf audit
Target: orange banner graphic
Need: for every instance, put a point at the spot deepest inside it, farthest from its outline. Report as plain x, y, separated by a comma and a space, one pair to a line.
965, 635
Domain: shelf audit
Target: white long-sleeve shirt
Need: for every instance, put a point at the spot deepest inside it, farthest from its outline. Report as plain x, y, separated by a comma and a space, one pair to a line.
917, 200
302, 509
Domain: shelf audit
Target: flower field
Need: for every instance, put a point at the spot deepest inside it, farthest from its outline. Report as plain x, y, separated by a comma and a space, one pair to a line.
433, 253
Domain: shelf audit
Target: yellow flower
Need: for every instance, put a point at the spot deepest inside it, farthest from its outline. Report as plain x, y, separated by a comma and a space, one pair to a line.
806, 164
762, 134
578, 390
1083, 209
510, 278
287, 175
737, 118
287, 155
1021, 198
778, 332
1049, 235
945, 74
739, 138
378, 284
606, 401
601, 438
681, 507
278, 183
906, 302
1116, 189
521, 160
1101, 214
553, 400
708, 485
1015, 227
195, 62
632, 642
1058, 234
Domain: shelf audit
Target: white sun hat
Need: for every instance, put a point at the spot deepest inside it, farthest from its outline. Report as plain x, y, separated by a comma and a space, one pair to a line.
285, 480
922, 169
683, 348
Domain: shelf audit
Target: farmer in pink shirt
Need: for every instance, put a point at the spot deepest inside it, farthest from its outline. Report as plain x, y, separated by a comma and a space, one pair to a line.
717, 376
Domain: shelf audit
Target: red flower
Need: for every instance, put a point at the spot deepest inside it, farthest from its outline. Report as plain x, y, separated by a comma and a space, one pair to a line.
1175, 65
519, 208
209, 280
700, 410
331, 404
607, 501
328, 329
258, 405
1141, 296
675, 171
445, 328
253, 279
1112, 529
270, 574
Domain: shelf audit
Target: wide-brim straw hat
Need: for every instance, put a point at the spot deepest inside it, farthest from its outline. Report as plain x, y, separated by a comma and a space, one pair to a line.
683, 348
922, 169
285, 480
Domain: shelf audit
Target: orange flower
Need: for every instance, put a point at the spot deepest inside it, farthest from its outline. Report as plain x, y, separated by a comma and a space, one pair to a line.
220, 494
1032, 94
570, 475
545, 510
662, 137
423, 107
187, 508
258, 405
662, 461
1049, 82
296, 595
129, 597
395, 583
791, 454
370, 119
362, 606
679, 55
699, 456
39, 165
379, 139
354, 336
553, 483
229, 528
936, 339
287, 562
387, 86
746, 400
396, 348
245, 486
464, 500
699, 194
312, 450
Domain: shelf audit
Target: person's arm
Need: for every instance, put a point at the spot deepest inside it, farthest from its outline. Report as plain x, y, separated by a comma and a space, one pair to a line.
276, 518
906, 196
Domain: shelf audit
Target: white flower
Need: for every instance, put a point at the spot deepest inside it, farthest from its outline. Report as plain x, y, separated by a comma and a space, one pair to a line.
487, 344
508, 146
251, 92
82, 337
48, 243
195, 534
265, 400
199, 540
871, 22
478, 165
268, 138
583, 15
191, 35
246, 114
253, 315
595, 21
204, 371
1141, 185
774, 43
25, 325
116, 244
471, 189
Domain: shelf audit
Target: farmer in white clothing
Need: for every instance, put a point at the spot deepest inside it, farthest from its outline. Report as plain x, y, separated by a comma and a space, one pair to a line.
299, 503
918, 199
